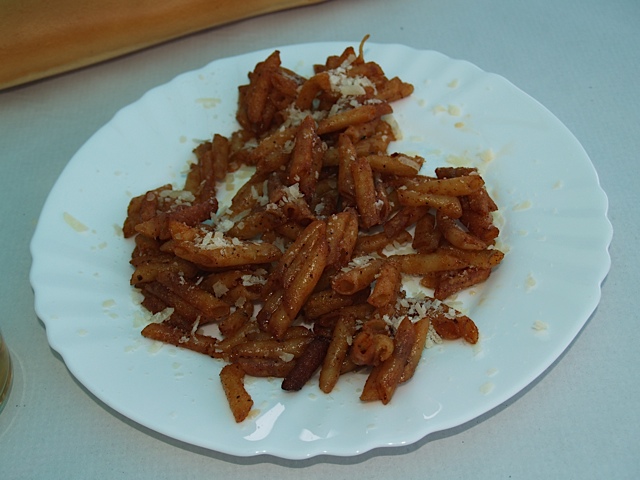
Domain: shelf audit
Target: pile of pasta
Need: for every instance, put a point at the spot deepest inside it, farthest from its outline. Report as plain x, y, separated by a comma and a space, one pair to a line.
303, 270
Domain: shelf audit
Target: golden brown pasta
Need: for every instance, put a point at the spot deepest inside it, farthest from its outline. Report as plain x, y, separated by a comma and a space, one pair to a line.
232, 378
387, 285
302, 272
337, 352
352, 280
391, 370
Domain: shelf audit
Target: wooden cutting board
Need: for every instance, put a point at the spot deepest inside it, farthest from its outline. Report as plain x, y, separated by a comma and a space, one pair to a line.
39, 38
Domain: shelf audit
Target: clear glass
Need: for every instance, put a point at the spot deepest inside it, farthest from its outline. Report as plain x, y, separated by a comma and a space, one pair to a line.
5, 372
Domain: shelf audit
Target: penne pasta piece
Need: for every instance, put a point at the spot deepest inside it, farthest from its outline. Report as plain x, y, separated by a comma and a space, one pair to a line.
424, 263
396, 164
351, 280
337, 352
387, 285
308, 363
448, 204
240, 402
391, 370
365, 193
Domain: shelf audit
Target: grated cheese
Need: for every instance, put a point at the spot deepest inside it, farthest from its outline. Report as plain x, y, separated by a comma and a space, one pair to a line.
433, 338
212, 241
348, 86
295, 116
291, 194
161, 316
261, 199
219, 289
180, 197
357, 262
540, 326
286, 357
251, 280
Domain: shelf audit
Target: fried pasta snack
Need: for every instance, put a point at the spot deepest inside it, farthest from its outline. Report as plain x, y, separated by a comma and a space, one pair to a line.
296, 276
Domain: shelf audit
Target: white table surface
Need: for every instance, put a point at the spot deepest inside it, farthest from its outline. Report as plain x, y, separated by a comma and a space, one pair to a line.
580, 419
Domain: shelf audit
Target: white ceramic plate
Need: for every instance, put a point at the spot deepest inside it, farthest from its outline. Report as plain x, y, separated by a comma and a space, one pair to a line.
554, 230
